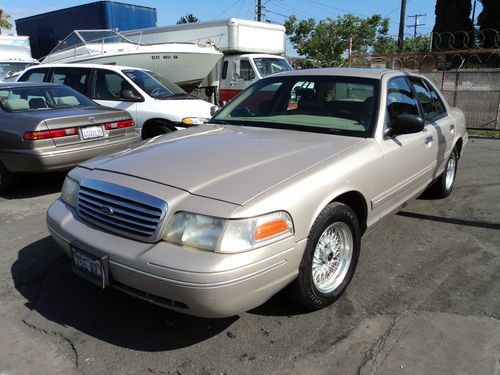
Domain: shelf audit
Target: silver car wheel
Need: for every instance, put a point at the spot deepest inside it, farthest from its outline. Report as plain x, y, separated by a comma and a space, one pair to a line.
332, 257
450, 172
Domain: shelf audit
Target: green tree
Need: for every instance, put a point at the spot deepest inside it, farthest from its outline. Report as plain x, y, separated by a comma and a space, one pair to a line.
390, 44
4, 20
489, 23
188, 18
327, 41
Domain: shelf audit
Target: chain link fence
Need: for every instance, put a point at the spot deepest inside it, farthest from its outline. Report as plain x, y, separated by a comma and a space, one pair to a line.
476, 92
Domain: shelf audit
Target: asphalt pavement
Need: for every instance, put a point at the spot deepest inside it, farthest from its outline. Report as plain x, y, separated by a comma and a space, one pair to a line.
425, 300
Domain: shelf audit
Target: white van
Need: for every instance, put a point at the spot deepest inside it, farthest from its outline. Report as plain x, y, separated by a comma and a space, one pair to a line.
157, 105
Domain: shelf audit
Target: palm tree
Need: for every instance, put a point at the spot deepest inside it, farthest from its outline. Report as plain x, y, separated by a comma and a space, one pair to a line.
4, 21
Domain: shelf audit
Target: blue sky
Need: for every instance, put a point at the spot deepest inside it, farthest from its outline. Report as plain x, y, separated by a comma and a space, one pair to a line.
170, 11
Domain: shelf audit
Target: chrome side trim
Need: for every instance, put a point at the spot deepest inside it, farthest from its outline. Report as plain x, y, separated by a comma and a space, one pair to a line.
380, 199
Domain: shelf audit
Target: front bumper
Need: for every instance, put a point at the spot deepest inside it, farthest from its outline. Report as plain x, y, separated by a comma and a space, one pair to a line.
190, 281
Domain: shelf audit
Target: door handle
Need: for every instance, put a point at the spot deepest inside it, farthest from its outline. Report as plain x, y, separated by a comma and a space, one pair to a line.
429, 139
452, 127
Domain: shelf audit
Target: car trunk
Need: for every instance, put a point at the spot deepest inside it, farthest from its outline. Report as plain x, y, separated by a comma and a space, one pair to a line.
86, 126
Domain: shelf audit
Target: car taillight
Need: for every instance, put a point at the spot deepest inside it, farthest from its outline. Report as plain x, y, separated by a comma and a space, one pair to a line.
46, 134
119, 124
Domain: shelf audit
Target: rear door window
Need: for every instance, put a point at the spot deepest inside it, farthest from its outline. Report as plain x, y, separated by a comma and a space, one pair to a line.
76, 78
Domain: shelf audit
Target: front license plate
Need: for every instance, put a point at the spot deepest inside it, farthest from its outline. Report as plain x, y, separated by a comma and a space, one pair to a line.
91, 132
90, 267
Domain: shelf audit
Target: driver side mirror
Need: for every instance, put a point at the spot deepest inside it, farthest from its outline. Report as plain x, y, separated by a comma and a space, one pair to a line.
237, 71
129, 95
213, 110
407, 124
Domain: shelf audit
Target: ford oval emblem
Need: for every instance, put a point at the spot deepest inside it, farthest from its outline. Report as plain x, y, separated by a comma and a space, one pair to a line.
106, 210
92, 119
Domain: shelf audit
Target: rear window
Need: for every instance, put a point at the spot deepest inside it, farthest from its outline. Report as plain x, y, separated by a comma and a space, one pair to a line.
41, 98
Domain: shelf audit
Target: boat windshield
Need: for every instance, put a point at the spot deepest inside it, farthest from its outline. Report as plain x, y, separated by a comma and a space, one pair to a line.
154, 84
81, 37
102, 36
270, 65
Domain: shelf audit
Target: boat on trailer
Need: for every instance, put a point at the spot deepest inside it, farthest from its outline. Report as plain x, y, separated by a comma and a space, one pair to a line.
186, 64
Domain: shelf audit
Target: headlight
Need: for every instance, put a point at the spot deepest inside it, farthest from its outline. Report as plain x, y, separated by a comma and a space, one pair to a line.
189, 121
228, 236
69, 192
195, 230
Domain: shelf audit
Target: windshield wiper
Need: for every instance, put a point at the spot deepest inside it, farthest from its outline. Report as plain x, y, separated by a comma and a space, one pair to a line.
219, 122
177, 95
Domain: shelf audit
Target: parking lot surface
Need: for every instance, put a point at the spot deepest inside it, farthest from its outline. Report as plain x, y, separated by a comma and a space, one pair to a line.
425, 300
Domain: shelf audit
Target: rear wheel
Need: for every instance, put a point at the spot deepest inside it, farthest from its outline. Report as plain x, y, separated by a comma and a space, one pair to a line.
443, 185
330, 257
8, 180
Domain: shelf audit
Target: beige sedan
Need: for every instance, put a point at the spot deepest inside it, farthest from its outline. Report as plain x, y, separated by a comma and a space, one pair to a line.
46, 127
276, 191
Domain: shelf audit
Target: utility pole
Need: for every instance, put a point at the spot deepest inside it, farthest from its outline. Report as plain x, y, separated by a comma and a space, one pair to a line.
474, 14
401, 36
416, 23
259, 10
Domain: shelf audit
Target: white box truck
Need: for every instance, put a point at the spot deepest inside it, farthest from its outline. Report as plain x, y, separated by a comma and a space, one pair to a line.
251, 50
15, 55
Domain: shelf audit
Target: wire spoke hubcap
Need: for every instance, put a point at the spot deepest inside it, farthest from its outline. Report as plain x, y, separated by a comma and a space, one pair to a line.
332, 257
450, 173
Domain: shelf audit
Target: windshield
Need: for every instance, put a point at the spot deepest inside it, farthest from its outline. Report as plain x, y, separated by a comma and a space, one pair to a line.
8, 69
325, 104
41, 98
154, 84
102, 36
80, 37
269, 65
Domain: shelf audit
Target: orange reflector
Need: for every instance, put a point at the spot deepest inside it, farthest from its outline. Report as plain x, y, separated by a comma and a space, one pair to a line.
270, 229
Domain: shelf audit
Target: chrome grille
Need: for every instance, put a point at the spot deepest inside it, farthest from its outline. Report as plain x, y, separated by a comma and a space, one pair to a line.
121, 210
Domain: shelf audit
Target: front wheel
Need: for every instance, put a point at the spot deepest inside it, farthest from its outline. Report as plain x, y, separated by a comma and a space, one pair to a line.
330, 257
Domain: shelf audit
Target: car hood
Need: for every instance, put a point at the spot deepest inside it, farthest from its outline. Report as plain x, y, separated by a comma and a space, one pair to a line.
229, 163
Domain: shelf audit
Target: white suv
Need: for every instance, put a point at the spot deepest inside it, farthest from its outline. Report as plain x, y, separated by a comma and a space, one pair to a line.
156, 104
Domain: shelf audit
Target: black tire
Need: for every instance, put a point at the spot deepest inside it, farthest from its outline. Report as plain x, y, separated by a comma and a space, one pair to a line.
443, 185
8, 180
154, 130
305, 290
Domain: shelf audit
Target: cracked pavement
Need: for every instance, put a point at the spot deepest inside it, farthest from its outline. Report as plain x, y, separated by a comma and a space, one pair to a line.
425, 300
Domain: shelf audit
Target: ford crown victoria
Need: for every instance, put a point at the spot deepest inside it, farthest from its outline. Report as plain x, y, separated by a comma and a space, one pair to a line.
275, 191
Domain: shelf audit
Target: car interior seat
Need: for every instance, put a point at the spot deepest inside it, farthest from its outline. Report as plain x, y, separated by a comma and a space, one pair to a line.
36, 103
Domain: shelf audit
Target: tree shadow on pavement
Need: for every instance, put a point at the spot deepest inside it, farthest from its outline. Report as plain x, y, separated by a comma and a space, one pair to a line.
42, 274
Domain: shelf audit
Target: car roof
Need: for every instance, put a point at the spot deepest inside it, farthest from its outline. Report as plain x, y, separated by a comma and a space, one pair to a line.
72, 65
6, 85
343, 72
